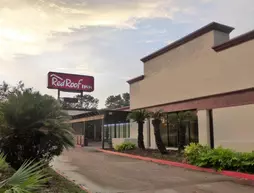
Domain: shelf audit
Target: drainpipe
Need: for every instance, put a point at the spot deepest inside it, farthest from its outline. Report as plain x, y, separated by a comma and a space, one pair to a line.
103, 133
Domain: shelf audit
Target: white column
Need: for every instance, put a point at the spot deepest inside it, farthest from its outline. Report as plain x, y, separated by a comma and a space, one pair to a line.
148, 133
133, 130
152, 137
203, 127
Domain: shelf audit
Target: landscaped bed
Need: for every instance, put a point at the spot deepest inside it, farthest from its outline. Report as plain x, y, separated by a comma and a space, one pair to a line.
154, 153
58, 184
198, 155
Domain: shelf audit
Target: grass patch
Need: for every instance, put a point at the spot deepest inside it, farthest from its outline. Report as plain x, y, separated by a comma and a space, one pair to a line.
58, 184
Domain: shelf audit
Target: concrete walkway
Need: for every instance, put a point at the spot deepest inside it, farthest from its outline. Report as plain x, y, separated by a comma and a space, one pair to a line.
104, 173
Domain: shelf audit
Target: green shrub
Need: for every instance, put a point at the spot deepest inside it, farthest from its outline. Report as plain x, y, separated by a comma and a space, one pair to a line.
29, 178
219, 158
193, 151
125, 146
33, 126
3, 164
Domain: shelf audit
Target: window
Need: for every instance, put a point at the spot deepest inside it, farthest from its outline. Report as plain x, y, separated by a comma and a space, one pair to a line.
164, 133
170, 133
119, 130
173, 136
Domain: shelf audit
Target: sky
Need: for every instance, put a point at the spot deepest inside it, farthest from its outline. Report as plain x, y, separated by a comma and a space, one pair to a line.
102, 38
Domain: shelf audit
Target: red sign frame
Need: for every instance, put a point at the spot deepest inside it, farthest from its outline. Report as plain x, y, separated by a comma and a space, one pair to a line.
70, 82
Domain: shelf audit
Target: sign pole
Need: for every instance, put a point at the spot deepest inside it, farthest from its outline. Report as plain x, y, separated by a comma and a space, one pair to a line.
81, 96
58, 94
103, 133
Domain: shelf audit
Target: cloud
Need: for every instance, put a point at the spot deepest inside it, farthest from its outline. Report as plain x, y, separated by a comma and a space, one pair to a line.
238, 14
31, 26
104, 38
35, 26
235, 13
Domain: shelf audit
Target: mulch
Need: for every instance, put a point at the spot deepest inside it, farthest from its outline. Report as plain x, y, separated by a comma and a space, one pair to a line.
154, 153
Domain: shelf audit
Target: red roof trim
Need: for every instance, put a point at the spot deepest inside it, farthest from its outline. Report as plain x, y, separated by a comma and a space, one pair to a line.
235, 41
131, 81
191, 36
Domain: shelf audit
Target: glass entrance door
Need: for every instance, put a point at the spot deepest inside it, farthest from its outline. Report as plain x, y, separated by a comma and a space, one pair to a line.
170, 132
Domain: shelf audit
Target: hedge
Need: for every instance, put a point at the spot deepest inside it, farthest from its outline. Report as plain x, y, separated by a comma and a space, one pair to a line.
219, 158
125, 146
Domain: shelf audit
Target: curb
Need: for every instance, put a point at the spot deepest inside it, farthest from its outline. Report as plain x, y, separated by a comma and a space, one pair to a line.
80, 186
183, 165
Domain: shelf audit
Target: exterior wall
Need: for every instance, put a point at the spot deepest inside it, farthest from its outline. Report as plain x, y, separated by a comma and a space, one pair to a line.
234, 127
194, 70
194, 76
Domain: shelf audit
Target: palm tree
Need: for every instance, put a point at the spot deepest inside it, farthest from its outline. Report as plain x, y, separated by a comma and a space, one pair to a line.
179, 120
139, 116
157, 119
28, 178
35, 127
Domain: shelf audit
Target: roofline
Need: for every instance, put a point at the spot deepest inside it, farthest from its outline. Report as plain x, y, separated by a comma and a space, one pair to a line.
136, 79
99, 112
80, 109
235, 41
121, 108
189, 37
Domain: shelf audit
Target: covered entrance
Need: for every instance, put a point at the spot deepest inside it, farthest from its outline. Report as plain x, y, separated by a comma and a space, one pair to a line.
100, 126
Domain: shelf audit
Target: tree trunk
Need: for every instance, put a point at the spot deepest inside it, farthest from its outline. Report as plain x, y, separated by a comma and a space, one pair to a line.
141, 144
181, 141
160, 145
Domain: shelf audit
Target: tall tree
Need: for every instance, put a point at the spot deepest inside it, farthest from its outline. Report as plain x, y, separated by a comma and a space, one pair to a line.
6, 89
126, 99
158, 116
118, 101
87, 102
139, 116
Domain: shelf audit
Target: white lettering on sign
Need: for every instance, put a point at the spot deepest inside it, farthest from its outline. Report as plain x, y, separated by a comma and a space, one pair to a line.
60, 82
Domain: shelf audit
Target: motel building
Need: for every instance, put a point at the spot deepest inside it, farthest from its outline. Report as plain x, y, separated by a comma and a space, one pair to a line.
205, 72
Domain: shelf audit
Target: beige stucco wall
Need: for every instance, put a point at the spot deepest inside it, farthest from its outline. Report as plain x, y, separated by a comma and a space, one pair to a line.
193, 70
234, 127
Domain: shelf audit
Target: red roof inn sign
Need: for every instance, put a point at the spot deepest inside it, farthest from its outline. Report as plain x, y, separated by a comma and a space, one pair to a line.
70, 82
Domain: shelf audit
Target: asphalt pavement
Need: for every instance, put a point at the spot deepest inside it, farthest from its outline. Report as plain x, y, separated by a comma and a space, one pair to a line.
104, 173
